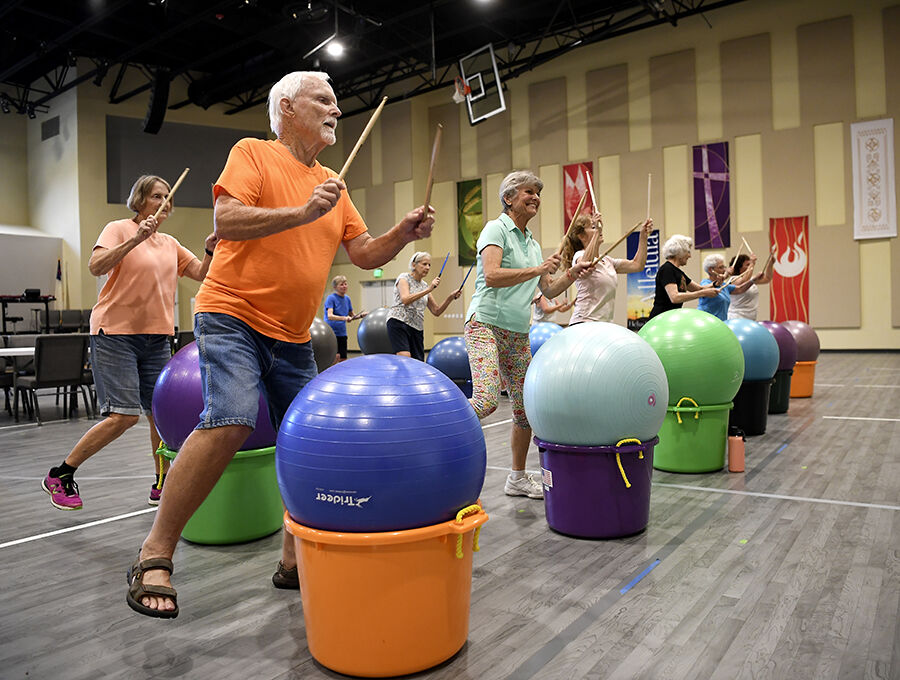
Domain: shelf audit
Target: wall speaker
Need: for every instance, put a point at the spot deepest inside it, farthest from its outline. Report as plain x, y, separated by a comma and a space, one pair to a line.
159, 100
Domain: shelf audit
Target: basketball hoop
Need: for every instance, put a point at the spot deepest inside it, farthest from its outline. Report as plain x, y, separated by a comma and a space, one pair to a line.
461, 90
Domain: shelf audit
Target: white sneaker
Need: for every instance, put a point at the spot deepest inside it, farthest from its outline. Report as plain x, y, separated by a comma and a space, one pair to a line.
524, 486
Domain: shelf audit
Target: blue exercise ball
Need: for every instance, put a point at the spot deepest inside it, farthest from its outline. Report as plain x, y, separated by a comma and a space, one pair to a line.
450, 357
380, 443
540, 332
372, 334
759, 346
594, 384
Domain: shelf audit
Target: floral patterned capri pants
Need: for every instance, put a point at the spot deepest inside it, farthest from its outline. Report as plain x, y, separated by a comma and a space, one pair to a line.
495, 352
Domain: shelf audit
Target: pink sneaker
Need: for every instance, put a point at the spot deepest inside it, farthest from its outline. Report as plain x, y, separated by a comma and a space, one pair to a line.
156, 491
63, 492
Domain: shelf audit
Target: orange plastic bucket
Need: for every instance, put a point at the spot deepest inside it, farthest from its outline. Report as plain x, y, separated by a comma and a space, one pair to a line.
388, 603
803, 379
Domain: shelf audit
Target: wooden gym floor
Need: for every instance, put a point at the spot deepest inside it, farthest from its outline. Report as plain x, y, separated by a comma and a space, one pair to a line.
790, 570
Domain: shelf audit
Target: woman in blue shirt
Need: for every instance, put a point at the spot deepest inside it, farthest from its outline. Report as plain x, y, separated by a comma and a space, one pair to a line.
508, 261
716, 271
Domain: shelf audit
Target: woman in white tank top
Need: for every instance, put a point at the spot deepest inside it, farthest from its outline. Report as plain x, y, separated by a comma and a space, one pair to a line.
746, 305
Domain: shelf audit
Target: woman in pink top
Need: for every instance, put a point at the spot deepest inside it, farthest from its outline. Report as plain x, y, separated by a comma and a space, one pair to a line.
130, 328
596, 294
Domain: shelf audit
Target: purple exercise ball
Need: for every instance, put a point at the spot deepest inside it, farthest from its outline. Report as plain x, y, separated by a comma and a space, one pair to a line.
787, 346
807, 340
178, 403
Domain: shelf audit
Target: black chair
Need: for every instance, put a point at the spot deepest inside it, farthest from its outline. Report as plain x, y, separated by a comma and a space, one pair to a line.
22, 365
7, 377
70, 321
85, 320
183, 338
53, 326
58, 362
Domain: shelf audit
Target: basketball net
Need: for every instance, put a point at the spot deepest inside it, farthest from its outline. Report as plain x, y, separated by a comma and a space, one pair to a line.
460, 90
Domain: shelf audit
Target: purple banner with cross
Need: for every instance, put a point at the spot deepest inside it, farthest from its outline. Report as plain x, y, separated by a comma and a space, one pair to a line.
712, 205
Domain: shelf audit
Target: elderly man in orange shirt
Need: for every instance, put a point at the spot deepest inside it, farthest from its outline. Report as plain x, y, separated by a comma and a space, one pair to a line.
280, 217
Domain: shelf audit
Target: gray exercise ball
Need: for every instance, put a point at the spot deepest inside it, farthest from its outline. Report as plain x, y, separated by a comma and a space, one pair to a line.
372, 334
324, 344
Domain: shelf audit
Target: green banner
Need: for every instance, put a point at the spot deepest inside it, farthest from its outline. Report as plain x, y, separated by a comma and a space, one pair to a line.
469, 218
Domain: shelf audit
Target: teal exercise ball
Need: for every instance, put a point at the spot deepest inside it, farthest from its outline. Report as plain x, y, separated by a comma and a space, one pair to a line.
702, 357
759, 347
594, 384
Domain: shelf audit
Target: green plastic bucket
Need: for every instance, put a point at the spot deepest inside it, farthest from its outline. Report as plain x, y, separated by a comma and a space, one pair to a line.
780, 393
244, 505
693, 438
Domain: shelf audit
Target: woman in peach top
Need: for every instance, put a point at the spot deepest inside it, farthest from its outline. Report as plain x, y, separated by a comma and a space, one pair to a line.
130, 328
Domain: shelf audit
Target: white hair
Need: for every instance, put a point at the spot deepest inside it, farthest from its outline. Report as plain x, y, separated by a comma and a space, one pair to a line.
677, 245
711, 261
418, 255
513, 181
288, 88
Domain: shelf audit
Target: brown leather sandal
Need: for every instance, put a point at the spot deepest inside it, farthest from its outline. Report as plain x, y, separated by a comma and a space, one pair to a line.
137, 590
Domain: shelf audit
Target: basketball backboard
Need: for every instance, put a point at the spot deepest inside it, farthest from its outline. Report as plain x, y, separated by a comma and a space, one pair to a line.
478, 71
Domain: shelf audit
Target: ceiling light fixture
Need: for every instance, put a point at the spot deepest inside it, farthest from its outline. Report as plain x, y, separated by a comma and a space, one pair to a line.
335, 48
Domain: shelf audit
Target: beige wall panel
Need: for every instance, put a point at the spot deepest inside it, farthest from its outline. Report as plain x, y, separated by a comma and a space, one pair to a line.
834, 300
868, 48
360, 172
825, 59
640, 128
494, 144
891, 19
13, 178
832, 178
673, 98
576, 107
676, 186
396, 142
788, 177
709, 92
634, 169
608, 179
447, 167
547, 227
747, 177
380, 209
548, 119
468, 145
785, 78
519, 117
607, 111
746, 85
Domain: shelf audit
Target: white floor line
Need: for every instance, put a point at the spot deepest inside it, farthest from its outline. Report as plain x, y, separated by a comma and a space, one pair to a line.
87, 525
506, 469
877, 387
502, 422
884, 420
804, 499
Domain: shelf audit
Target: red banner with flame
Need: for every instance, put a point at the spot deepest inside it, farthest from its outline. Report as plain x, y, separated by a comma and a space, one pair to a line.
789, 291
575, 183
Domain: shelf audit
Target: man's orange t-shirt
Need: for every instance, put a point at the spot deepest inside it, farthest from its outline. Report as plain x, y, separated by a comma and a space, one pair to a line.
139, 295
275, 283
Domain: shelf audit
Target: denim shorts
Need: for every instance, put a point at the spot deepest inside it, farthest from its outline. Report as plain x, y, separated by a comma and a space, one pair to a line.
125, 370
238, 363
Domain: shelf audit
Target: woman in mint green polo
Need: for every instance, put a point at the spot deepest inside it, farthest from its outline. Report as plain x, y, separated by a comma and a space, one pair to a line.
508, 262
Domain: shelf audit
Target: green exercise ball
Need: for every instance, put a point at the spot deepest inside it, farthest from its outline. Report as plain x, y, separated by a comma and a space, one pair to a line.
701, 355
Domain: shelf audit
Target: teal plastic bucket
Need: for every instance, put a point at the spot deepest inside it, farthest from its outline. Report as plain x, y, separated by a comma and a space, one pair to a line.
244, 505
693, 438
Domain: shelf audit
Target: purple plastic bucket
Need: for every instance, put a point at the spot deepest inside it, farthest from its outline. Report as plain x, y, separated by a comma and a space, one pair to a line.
586, 494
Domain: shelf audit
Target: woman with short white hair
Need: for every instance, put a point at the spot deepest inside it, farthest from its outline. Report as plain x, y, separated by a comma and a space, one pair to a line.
508, 264
406, 318
716, 273
673, 286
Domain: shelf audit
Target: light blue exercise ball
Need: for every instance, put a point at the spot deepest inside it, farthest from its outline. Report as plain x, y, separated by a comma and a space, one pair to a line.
594, 384
540, 332
759, 347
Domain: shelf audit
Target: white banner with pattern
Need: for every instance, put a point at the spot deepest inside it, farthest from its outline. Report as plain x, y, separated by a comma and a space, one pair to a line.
874, 198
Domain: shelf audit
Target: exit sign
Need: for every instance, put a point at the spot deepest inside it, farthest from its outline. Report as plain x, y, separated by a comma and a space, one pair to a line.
378, 273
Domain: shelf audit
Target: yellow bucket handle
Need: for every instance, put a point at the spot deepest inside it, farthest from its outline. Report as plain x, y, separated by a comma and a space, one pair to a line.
619, 443
696, 405
468, 510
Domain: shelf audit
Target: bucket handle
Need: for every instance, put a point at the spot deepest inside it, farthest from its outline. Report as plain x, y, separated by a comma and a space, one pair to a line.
619, 443
678, 413
468, 510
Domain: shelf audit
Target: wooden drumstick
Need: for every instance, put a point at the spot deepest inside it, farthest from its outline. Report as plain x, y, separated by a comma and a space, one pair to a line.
749, 249
590, 184
649, 177
434, 154
612, 247
171, 193
362, 138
